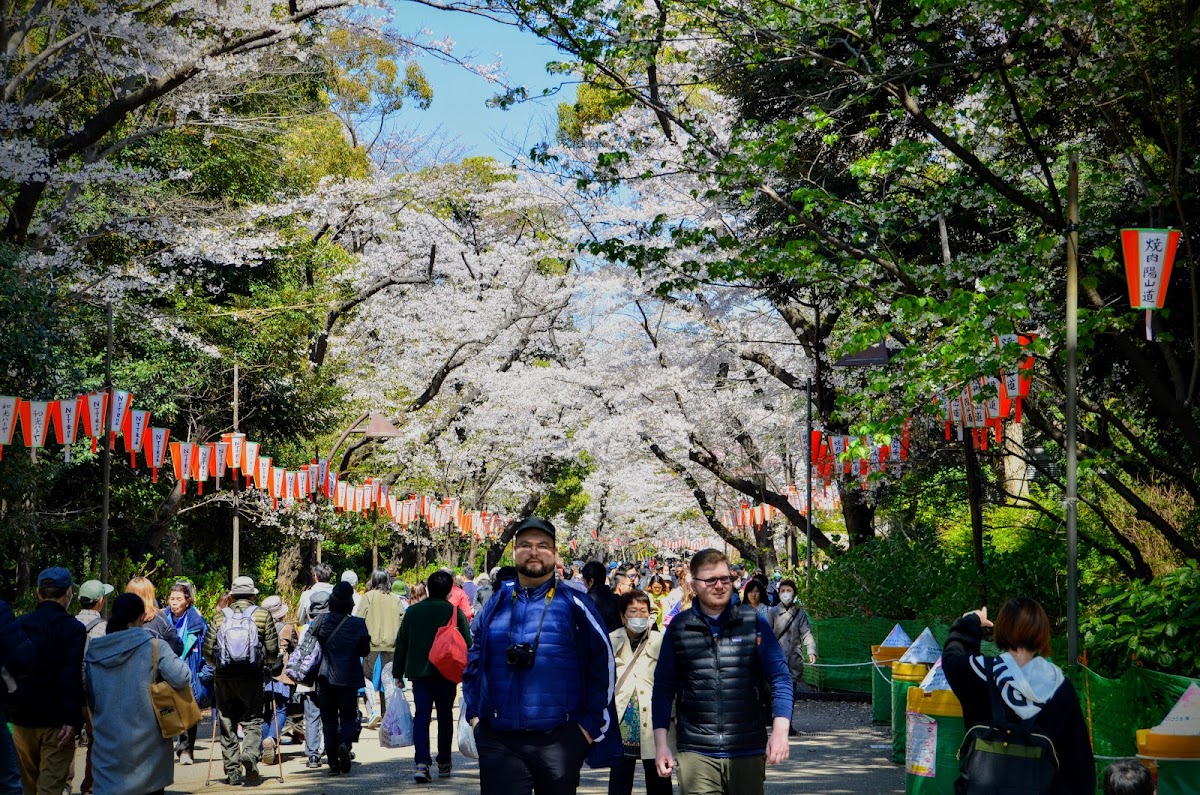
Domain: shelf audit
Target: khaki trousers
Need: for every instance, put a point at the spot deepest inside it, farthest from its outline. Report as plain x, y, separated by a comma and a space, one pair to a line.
45, 767
709, 775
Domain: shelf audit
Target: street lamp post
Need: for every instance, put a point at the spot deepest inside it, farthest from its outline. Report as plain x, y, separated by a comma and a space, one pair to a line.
377, 427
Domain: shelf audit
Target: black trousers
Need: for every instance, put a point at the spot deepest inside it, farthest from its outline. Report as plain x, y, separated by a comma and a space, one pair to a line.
339, 716
517, 763
620, 778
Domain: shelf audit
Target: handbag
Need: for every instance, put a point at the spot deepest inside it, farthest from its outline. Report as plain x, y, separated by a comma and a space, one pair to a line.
176, 710
631, 719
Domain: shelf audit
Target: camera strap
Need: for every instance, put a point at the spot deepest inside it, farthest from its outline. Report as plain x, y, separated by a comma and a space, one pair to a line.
545, 609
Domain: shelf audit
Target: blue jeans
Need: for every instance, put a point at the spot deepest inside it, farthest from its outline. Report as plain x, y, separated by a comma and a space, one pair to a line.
429, 692
280, 700
10, 771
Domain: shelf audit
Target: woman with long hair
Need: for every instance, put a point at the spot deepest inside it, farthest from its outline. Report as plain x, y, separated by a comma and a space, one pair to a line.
657, 590
416, 593
686, 595
129, 755
382, 613
191, 629
156, 621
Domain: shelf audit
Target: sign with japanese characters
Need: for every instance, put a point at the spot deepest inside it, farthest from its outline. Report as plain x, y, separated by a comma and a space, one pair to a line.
1149, 255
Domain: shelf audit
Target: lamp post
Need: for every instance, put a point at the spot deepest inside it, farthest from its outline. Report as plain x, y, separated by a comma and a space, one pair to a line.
377, 427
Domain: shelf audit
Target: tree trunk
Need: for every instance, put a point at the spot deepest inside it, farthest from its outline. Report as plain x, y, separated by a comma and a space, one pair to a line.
859, 515
287, 573
1016, 471
975, 502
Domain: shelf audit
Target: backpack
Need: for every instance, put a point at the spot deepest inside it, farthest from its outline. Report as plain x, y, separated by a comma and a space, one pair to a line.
305, 663
449, 651
1005, 757
239, 647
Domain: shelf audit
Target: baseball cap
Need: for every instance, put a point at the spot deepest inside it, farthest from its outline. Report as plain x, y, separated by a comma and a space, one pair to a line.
94, 590
534, 523
55, 577
243, 586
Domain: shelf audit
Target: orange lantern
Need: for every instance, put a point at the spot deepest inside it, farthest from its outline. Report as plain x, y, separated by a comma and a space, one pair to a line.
158, 451
1149, 256
66, 423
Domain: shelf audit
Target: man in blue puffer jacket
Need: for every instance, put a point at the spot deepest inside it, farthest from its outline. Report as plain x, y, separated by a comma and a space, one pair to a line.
539, 683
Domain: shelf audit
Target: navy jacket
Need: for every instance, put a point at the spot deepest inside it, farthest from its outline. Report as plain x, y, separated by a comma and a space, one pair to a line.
52, 693
572, 679
342, 650
16, 650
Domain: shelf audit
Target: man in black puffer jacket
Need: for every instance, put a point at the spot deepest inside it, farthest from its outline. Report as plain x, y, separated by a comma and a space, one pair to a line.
713, 658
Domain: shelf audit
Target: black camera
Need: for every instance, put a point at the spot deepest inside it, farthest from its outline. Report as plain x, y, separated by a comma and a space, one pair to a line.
519, 655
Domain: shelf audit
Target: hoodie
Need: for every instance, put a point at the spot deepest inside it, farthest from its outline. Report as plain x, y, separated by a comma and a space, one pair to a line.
129, 756
1038, 691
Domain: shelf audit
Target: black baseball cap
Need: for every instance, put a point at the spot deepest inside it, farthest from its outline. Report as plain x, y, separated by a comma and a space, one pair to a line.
534, 523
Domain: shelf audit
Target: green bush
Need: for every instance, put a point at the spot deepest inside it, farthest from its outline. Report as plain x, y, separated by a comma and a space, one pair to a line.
1154, 624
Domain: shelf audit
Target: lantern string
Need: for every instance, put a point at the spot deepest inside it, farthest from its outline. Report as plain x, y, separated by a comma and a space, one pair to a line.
1149, 325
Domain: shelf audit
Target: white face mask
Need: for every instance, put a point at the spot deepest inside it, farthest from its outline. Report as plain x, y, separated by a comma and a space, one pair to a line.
637, 625
787, 597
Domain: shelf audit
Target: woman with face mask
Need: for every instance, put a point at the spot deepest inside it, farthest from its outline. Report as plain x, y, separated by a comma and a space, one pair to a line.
636, 646
790, 624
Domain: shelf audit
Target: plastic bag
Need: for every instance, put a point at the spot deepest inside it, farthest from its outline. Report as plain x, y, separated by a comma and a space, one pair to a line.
396, 730
466, 737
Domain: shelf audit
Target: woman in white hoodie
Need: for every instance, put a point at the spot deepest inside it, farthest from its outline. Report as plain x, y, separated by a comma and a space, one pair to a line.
1030, 686
129, 755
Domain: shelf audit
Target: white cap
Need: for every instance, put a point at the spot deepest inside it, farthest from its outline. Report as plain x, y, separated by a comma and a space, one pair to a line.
350, 577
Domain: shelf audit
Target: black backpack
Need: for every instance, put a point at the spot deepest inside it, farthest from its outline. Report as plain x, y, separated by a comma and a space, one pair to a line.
1005, 757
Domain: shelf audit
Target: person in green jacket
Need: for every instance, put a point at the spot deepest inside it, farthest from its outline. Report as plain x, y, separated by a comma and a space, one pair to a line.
413, 643
381, 610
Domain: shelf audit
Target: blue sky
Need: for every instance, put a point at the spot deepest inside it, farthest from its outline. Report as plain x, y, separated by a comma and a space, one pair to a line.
459, 97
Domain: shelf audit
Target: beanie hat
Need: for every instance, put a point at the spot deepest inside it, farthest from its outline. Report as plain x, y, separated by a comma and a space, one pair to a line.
342, 598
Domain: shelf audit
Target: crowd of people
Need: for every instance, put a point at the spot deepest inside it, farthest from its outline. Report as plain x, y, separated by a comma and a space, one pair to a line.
690, 670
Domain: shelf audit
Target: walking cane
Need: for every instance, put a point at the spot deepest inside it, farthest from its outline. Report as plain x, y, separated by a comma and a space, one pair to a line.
212, 746
278, 737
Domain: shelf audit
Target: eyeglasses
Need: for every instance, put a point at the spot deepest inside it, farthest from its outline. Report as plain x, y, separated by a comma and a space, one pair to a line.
712, 581
527, 547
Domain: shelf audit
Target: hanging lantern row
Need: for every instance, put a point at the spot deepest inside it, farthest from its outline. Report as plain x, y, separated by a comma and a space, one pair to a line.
1149, 257
830, 460
234, 456
986, 403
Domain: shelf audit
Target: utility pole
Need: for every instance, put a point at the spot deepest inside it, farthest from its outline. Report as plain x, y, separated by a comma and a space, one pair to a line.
1072, 386
237, 530
105, 453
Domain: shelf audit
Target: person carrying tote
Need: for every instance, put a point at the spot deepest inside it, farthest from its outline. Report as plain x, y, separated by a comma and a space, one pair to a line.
636, 647
130, 756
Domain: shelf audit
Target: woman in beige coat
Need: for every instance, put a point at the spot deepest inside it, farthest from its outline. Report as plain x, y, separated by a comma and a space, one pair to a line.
636, 646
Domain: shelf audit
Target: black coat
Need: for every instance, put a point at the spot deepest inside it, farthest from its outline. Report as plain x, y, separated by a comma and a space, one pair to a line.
16, 650
52, 693
1061, 719
606, 603
342, 650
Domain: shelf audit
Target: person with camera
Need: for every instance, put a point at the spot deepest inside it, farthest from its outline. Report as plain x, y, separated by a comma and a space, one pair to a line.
540, 679
430, 689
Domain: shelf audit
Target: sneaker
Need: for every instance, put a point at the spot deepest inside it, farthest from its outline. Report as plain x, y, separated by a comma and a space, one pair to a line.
268, 755
421, 774
235, 778
313, 763
185, 758
444, 770
343, 757
376, 719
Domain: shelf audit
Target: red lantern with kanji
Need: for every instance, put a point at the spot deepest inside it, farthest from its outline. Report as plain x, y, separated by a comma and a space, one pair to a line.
1149, 256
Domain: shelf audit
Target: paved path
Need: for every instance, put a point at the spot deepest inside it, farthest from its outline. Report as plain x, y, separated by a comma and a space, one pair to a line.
836, 751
